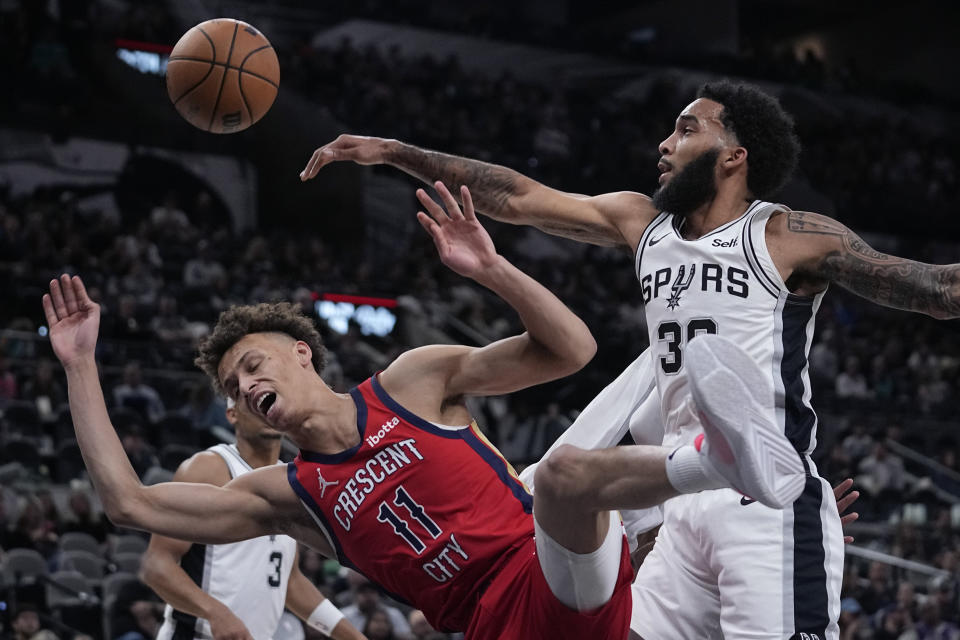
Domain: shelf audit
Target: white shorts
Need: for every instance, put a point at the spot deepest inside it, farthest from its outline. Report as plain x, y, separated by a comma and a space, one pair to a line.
728, 568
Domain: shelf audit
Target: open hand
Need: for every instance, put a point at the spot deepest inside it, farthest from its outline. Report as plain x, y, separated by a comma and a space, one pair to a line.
359, 149
462, 242
73, 318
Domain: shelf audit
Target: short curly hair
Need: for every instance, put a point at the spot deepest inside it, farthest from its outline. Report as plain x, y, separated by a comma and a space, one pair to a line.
239, 321
763, 128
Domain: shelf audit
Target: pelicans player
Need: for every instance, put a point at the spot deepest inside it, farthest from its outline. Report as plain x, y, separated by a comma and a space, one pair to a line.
394, 478
713, 257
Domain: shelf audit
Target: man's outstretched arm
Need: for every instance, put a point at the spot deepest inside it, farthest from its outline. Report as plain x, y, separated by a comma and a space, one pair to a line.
827, 250
198, 512
503, 194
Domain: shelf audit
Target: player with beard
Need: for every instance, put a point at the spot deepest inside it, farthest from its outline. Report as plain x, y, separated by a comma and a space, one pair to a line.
713, 256
235, 591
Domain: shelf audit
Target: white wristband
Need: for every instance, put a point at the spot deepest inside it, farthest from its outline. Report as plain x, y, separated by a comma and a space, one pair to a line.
325, 617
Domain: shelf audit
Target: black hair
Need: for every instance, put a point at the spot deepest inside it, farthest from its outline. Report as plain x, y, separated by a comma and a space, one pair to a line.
763, 128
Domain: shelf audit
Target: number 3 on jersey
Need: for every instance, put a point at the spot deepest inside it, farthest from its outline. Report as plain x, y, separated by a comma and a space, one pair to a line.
672, 334
401, 528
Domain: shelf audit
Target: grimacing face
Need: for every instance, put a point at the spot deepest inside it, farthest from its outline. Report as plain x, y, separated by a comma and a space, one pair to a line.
266, 374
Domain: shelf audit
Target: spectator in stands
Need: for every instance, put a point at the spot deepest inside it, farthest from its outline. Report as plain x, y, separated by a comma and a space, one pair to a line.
366, 600
142, 456
24, 623
204, 408
82, 518
379, 626
203, 271
8, 381
892, 620
882, 470
137, 614
168, 325
859, 443
134, 394
852, 624
169, 215
879, 591
932, 626
34, 530
125, 324
43, 389
851, 383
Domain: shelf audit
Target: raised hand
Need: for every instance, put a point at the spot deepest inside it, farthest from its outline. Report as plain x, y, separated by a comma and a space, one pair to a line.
844, 502
359, 149
462, 242
73, 318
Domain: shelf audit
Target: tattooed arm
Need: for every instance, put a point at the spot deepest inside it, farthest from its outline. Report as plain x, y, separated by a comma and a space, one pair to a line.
501, 193
820, 249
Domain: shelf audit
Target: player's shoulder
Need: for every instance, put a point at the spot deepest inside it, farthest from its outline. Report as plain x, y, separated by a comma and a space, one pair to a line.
205, 466
630, 211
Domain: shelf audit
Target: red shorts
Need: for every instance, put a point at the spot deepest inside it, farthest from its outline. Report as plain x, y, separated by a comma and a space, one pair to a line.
518, 605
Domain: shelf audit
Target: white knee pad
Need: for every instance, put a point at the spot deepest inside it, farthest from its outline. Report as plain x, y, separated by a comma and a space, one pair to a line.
581, 581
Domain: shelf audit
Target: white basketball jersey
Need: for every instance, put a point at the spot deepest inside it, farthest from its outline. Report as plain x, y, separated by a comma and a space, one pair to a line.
725, 283
249, 577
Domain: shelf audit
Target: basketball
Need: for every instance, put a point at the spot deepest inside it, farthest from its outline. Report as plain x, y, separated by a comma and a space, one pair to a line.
223, 75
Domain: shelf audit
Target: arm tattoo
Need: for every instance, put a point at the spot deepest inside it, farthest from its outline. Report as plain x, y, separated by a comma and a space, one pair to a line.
490, 185
884, 279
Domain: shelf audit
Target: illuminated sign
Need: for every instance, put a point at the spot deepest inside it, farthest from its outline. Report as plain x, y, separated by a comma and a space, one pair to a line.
373, 315
145, 57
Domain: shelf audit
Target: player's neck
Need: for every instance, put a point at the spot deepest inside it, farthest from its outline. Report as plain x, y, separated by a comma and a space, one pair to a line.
331, 426
260, 452
723, 208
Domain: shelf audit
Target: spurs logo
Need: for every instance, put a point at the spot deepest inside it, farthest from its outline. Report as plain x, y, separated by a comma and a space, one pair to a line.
680, 284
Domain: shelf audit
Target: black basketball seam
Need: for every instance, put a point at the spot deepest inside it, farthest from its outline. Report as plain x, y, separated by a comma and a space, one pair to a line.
240, 80
243, 96
223, 80
213, 57
220, 64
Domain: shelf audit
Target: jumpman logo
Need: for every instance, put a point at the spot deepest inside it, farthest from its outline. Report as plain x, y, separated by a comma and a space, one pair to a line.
680, 285
324, 484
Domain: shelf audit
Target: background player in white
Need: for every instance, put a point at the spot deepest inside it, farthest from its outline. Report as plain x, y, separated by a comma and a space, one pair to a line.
750, 270
576, 488
235, 591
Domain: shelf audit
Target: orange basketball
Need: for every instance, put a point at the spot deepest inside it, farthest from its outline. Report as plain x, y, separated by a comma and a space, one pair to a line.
223, 75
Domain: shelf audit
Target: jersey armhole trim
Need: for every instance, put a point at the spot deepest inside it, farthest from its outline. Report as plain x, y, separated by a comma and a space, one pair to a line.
410, 417
656, 222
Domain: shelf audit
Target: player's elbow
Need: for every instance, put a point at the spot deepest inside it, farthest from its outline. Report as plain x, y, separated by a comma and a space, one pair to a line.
562, 475
578, 351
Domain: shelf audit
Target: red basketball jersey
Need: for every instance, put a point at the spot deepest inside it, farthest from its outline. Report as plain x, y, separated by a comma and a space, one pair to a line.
430, 513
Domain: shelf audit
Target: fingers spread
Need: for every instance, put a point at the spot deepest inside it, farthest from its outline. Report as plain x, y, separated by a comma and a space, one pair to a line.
453, 209
432, 207
468, 211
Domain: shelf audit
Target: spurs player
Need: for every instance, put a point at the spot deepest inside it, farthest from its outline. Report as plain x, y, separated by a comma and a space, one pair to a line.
713, 257
239, 590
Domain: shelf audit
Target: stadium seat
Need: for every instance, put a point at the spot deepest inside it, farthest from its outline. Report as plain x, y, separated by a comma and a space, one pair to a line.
69, 463
79, 541
89, 564
22, 566
129, 544
128, 562
64, 589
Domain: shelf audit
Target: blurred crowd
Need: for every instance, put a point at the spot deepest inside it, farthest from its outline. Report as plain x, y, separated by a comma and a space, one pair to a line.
884, 382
